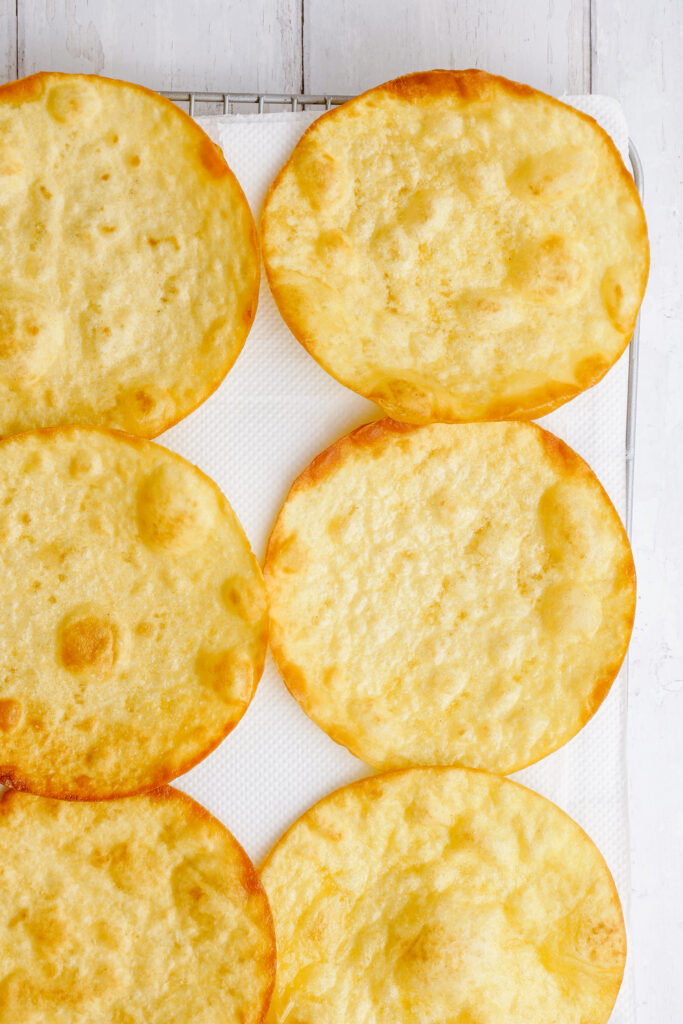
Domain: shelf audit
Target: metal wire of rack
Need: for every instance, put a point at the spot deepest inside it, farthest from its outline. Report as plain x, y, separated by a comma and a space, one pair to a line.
202, 103
631, 402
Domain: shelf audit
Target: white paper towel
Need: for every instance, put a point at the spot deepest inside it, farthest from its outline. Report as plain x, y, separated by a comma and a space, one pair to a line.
275, 411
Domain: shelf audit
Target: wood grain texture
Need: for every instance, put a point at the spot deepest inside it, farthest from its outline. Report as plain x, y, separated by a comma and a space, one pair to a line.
351, 45
201, 45
8, 40
637, 58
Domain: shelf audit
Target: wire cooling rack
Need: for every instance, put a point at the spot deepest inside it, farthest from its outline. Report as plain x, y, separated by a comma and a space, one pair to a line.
202, 103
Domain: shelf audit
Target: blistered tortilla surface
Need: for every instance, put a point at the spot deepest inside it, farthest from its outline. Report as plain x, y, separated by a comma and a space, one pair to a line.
135, 621
449, 593
457, 247
135, 911
437, 895
129, 266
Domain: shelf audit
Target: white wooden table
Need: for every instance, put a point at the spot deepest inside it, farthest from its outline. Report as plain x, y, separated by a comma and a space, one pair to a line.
626, 48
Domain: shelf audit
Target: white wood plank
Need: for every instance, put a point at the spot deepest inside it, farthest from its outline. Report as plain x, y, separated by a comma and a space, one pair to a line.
350, 45
8, 40
176, 44
637, 58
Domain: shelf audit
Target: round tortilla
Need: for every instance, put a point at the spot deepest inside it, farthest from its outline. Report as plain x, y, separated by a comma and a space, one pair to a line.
449, 594
135, 622
457, 247
129, 267
442, 894
136, 911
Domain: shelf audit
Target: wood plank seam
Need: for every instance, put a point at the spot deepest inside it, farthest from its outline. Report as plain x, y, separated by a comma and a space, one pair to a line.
305, 76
